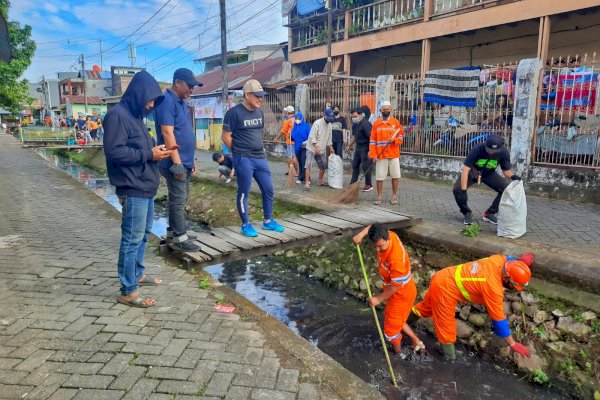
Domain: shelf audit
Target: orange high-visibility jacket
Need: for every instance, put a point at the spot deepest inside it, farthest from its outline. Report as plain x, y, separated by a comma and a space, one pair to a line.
394, 263
478, 282
381, 134
286, 127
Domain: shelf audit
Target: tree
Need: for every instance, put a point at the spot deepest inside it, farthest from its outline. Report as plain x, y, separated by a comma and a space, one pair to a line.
13, 92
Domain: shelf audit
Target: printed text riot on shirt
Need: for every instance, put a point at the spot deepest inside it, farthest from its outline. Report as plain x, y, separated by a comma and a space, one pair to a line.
253, 122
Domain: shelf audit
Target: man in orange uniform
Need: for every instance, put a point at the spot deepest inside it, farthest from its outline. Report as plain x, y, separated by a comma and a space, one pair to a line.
384, 149
399, 290
481, 282
286, 130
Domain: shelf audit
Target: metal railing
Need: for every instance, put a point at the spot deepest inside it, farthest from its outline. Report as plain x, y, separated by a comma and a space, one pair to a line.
315, 33
568, 116
441, 7
273, 105
434, 129
382, 14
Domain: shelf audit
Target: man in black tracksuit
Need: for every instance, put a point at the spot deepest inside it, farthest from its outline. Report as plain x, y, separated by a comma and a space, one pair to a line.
480, 166
361, 135
131, 164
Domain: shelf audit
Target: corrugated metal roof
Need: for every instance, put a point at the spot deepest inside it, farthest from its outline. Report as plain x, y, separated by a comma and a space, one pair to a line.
238, 74
80, 99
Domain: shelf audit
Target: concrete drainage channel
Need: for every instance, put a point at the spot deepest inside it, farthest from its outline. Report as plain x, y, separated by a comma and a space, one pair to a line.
286, 288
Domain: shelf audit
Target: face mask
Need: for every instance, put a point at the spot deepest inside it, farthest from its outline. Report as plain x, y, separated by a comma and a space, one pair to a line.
336, 113
355, 120
363, 115
297, 121
385, 114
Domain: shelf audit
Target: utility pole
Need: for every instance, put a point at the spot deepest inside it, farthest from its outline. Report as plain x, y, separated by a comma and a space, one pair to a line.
224, 51
85, 99
100, 41
328, 65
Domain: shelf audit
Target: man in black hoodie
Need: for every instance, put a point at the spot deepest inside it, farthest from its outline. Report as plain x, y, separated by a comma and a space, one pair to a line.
131, 163
361, 135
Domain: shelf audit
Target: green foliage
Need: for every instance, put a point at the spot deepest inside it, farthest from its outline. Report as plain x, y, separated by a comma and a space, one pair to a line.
568, 367
219, 298
202, 390
13, 93
583, 353
471, 230
540, 377
595, 324
541, 333
351, 3
204, 283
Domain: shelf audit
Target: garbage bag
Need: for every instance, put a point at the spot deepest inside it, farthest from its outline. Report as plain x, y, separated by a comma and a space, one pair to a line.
512, 213
335, 172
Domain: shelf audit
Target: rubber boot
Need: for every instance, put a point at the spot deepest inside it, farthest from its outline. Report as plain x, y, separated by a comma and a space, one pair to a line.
412, 318
449, 352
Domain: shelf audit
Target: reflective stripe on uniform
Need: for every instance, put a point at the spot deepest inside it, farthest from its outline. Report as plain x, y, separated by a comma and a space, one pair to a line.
459, 280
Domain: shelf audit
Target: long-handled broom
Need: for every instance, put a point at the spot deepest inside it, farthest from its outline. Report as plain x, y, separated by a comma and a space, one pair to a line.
291, 179
387, 356
349, 194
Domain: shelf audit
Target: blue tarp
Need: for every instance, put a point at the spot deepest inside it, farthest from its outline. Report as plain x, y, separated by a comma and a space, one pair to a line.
307, 6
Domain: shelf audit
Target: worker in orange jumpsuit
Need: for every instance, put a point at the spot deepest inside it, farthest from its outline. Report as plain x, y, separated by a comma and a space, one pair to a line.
481, 282
400, 290
286, 130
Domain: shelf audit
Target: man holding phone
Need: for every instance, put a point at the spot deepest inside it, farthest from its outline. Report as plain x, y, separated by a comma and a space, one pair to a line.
174, 130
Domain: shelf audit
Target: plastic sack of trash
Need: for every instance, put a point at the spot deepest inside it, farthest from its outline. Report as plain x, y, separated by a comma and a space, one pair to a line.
512, 213
335, 172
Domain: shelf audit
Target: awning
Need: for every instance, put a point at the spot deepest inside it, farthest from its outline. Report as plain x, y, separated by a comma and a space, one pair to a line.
307, 6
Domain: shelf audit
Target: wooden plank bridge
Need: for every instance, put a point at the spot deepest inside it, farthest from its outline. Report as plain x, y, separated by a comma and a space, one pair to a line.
227, 243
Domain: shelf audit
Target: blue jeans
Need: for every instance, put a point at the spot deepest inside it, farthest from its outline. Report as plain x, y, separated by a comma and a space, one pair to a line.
247, 168
179, 192
136, 222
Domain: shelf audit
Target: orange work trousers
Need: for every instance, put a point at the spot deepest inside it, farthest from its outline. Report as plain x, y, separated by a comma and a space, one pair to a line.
440, 303
397, 310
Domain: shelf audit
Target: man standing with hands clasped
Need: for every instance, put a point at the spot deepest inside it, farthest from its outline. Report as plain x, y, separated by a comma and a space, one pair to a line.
480, 166
384, 149
174, 130
131, 164
242, 133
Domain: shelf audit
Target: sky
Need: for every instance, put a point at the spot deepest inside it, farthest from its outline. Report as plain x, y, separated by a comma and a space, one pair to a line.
183, 30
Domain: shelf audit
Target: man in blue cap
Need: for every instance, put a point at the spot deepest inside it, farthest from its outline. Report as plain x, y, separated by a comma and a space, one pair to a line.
174, 130
243, 127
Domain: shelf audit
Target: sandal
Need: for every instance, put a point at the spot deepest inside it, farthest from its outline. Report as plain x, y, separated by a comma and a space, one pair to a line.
322, 184
377, 202
137, 302
394, 201
148, 280
307, 188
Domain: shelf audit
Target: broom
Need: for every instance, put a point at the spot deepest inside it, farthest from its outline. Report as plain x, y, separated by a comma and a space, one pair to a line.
387, 356
350, 193
291, 179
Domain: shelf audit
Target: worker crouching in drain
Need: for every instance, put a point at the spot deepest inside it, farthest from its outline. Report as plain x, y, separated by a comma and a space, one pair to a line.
481, 282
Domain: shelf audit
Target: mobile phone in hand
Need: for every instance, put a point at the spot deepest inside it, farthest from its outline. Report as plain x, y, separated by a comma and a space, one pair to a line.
173, 147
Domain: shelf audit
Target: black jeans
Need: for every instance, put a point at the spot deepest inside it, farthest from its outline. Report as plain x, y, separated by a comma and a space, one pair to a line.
179, 192
493, 180
338, 148
361, 157
301, 157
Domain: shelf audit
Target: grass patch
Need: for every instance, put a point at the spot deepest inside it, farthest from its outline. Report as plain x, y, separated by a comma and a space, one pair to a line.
93, 158
215, 204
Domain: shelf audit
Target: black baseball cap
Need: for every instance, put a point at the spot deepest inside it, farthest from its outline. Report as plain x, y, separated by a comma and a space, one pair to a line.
184, 74
494, 143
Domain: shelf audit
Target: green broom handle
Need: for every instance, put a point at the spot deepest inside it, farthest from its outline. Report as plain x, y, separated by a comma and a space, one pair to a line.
387, 356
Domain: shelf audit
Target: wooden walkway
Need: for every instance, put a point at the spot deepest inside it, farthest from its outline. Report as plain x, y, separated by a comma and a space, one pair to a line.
224, 244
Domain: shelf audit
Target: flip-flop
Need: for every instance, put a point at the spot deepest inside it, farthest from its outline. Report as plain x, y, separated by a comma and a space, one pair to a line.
322, 184
137, 302
394, 201
307, 188
377, 202
149, 280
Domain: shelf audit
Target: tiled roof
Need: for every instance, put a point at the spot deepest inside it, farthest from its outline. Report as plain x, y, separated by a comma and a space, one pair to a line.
238, 74
80, 100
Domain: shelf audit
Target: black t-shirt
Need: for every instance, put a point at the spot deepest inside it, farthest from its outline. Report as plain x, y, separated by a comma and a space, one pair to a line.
485, 163
362, 133
337, 127
227, 161
246, 129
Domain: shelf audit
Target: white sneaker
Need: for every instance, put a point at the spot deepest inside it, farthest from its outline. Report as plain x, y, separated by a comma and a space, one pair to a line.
228, 180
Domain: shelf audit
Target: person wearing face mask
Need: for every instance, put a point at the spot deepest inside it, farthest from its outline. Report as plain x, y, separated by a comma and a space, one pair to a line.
384, 149
479, 282
338, 131
319, 141
361, 135
174, 130
131, 159
299, 137
286, 130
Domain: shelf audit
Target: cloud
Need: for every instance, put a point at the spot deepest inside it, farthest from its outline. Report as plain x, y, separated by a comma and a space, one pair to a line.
51, 8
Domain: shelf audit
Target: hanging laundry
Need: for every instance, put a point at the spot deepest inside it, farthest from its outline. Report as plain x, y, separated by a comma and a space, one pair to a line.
455, 87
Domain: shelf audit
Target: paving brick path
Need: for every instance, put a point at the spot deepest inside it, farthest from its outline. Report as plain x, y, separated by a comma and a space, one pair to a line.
555, 223
63, 336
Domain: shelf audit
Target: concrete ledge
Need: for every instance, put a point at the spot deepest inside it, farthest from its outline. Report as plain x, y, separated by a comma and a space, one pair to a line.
551, 264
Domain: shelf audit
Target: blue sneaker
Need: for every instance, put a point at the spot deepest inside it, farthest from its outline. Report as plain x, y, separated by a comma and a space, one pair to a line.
248, 230
272, 226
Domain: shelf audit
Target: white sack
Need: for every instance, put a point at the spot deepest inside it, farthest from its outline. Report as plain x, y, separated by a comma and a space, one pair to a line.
335, 172
512, 213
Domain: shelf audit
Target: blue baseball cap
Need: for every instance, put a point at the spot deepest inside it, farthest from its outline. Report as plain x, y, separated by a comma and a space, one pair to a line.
328, 113
184, 74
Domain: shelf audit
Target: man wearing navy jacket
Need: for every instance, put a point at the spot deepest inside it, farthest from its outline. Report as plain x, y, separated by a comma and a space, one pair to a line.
131, 163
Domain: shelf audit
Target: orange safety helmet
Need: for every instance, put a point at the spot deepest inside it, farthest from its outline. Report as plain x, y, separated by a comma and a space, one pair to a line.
518, 273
